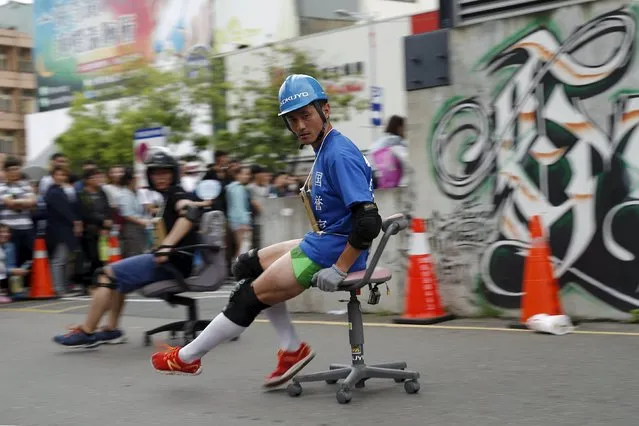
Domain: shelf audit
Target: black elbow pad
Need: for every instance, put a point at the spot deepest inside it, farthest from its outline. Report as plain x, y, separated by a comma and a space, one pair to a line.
367, 224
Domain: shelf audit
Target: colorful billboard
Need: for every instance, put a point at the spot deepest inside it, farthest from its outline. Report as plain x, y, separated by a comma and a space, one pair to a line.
83, 45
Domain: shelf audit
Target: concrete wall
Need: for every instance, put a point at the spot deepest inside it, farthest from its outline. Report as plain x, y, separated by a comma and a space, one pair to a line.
541, 119
286, 220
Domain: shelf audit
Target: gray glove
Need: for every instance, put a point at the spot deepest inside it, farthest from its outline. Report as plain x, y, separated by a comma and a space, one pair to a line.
328, 279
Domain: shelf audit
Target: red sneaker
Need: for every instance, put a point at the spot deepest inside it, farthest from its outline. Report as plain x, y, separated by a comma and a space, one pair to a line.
289, 364
168, 362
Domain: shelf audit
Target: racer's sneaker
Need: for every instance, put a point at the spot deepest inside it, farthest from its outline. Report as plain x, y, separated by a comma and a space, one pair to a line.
110, 337
289, 364
77, 338
168, 362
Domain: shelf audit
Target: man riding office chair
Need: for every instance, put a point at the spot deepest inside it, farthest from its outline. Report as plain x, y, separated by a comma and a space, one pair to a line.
210, 275
177, 227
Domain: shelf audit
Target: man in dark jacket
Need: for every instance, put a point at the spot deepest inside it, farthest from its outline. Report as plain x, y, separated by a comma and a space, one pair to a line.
64, 227
96, 218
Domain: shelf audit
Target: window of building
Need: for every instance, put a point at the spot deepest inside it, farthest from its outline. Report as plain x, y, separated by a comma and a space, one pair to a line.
4, 60
5, 101
25, 63
28, 102
7, 142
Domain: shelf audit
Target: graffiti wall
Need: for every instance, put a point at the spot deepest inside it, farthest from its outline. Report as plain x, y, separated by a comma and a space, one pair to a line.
542, 120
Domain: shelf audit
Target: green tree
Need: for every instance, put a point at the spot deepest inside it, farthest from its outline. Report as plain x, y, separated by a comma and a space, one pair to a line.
260, 136
149, 97
207, 91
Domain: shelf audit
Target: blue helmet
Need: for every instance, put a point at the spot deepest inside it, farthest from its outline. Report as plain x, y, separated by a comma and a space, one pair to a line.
299, 90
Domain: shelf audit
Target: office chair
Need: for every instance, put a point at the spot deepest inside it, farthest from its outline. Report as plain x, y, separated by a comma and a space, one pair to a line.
358, 372
209, 276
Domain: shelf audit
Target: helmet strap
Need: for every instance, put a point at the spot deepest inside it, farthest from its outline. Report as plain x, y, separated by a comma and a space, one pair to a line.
322, 132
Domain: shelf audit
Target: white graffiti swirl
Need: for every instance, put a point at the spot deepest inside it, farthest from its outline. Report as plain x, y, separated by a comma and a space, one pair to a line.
485, 266
543, 48
543, 45
523, 251
609, 241
461, 184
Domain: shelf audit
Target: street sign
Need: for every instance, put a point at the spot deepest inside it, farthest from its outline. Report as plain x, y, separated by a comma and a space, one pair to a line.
376, 106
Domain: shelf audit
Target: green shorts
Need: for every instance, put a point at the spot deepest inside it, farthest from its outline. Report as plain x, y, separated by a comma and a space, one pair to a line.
303, 267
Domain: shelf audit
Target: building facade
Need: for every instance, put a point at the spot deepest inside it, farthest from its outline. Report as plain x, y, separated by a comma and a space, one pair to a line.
17, 90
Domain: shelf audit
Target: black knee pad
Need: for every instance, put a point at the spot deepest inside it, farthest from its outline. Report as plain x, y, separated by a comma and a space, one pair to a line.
247, 266
243, 306
100, 271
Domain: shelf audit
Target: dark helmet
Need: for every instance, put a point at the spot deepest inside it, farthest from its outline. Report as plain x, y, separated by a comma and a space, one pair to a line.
160, 159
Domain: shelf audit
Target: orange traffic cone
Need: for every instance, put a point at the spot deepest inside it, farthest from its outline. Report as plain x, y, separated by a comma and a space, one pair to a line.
422, 303
114, 248
540, 287
41, 282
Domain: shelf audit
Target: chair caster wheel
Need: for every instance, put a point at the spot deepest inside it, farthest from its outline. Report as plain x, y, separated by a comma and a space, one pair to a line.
331, 382
294, 389
147, 340
344, 396
411, 386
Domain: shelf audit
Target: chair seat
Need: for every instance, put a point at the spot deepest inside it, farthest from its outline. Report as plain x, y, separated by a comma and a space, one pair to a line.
353, 280
159, 288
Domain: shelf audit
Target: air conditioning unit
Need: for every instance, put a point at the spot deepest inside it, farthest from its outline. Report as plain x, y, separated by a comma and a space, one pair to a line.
466, 12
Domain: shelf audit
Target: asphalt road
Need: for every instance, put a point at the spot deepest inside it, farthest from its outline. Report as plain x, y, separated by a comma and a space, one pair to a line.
473, 373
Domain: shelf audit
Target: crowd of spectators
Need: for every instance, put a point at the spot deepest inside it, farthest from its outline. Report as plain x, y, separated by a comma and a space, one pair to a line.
76, 213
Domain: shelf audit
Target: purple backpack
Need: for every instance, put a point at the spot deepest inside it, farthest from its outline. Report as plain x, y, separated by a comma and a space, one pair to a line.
388, 168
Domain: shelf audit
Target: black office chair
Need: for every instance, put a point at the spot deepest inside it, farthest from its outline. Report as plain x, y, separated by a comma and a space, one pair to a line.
210, 276
358, 372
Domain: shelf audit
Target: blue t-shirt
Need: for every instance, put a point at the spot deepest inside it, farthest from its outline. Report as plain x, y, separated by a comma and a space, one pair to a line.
340, 178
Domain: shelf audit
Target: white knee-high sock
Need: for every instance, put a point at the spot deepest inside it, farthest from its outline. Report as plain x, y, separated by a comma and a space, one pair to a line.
218, 331
281, 320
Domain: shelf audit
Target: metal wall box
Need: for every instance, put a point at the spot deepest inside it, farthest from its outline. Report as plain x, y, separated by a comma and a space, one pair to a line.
426, 60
